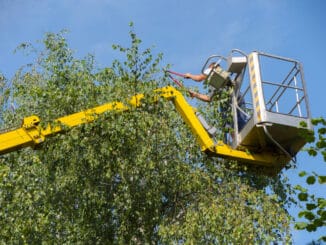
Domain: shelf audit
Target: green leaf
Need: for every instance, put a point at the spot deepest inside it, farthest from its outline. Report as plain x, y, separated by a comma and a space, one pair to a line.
306, 214
300, 188
300, 225
311, 206
321, 202
321, 144
312, 152
322, 130
311, 228
309, 215
322, 179
311, 180
303, 196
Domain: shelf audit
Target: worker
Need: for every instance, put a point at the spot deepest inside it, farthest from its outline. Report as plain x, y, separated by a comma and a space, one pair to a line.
199, 78
242, 118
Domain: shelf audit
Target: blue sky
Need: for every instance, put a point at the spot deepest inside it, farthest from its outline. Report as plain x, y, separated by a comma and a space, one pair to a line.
187, 32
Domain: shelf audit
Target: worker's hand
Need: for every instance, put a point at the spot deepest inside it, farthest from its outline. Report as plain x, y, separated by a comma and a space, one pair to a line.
187, 75
192, 94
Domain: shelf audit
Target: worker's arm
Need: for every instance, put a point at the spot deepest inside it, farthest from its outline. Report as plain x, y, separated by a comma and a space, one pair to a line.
197, 78
200, 96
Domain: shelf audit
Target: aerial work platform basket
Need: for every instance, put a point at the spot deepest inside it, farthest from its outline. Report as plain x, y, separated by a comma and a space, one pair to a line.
276, 102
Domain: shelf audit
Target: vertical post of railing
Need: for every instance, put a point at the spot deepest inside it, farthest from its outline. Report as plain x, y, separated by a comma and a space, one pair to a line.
304, 91
297, 96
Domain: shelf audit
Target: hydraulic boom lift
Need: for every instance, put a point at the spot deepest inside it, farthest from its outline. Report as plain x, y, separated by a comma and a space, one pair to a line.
262, 141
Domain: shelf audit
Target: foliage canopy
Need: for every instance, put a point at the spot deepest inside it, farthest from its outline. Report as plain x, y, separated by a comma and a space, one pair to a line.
133, 177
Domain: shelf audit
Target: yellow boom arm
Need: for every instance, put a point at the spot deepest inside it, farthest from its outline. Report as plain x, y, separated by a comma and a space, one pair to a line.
32, 134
